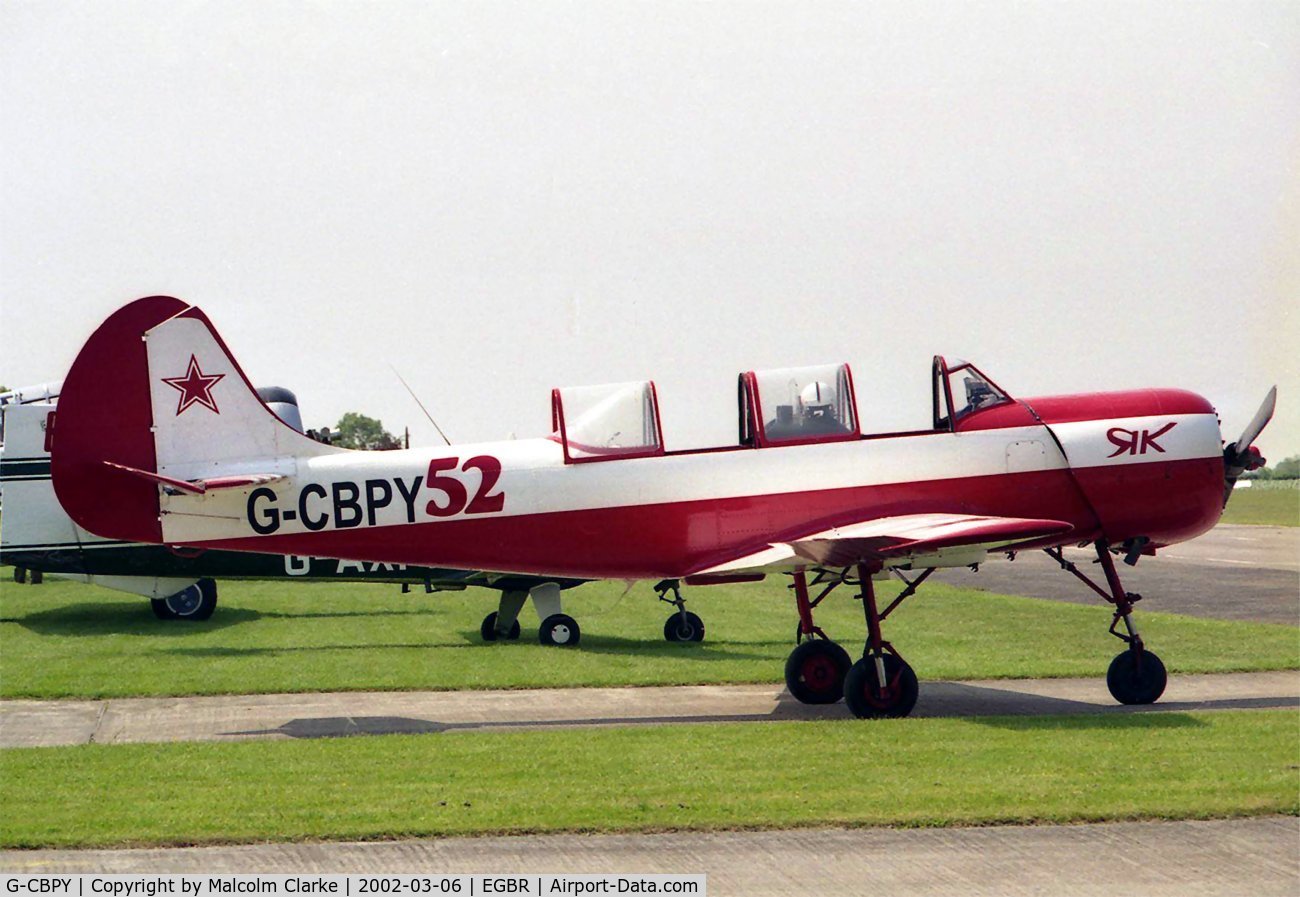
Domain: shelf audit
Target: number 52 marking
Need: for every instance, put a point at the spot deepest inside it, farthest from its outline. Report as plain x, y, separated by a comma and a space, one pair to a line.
457, 495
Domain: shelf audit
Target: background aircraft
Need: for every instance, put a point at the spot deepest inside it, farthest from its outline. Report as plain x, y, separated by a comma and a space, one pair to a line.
37, 537
192, 456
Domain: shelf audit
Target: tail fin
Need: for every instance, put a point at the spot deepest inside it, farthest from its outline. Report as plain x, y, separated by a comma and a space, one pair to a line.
155, 390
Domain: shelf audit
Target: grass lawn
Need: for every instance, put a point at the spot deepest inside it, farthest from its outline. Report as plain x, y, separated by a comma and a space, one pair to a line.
1263, 505
895, 772
64, 639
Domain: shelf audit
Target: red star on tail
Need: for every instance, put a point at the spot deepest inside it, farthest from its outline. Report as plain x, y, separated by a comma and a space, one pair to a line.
195, 387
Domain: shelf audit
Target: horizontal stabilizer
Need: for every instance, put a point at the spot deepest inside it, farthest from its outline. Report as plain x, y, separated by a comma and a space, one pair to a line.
174, 486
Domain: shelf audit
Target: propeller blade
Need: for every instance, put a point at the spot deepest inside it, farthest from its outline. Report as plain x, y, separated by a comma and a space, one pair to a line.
1238, 457
1261, 419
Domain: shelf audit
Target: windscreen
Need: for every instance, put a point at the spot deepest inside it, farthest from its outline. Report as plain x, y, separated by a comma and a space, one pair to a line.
971, 391
617, 420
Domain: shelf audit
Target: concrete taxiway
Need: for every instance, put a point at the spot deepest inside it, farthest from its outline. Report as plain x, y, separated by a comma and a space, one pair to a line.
1230, 573
1156, 859
241, 717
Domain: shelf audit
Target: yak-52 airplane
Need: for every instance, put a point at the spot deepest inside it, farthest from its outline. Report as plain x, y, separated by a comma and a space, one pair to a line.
188, 455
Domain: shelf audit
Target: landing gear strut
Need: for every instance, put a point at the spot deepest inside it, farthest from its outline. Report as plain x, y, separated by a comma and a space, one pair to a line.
503, 623
682, 626
1136, 676
556, 628
815, 669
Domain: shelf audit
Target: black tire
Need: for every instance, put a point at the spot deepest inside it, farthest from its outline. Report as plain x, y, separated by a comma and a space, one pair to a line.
690, 630
38, 577
560, 630
196, 602
20, 575
489, 629
815, 671
1130, 684
209, 602
863, 694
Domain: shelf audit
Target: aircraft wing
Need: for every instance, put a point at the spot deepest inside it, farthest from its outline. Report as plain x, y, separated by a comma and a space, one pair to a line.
893, 538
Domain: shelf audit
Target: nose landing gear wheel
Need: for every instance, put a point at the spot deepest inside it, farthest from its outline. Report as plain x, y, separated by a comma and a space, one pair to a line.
489, 629
815, 671
1135, 678
867, 699
559, 629
690, 630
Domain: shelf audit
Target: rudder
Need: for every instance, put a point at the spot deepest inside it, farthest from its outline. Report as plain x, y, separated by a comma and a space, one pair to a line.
155, 390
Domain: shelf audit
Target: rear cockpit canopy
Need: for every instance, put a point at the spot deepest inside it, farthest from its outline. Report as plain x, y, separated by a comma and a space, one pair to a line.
600, 423
960, 389
794, 406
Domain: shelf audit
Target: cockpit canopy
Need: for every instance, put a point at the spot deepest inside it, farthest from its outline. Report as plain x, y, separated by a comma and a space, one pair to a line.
782, 406
960, 389
599, 423
788, 406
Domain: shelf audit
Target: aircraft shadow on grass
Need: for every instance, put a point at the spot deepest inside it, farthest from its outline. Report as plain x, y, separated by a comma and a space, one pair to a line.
124, 619
271, 650
342, 614
90, 619
652, 647
609, 645
108, 619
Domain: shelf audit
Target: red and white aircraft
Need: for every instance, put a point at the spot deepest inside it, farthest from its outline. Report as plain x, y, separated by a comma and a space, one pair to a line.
160, 438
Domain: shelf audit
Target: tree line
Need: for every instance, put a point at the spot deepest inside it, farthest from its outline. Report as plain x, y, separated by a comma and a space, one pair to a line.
1287, 469
357, 431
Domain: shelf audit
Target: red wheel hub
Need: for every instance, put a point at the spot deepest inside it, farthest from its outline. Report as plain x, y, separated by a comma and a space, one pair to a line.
884, 697
819, 672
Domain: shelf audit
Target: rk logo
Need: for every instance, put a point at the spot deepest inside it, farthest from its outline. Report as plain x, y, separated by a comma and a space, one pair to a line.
1136, 442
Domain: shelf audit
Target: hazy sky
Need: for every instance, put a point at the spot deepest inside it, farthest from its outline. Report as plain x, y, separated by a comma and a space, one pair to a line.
498, 199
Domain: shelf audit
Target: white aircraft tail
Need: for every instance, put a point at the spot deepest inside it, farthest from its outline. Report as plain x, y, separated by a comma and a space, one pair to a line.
155, 400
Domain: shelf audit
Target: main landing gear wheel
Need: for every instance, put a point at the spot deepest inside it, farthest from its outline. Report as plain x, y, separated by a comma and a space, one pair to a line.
559, 629
1136, 677
196, 602
867, 699
815, 671
489, 629
689, 630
